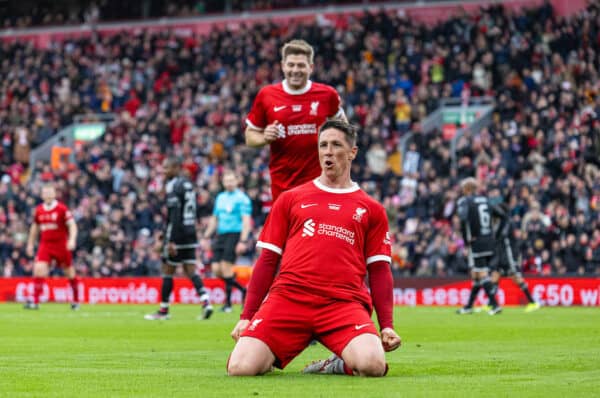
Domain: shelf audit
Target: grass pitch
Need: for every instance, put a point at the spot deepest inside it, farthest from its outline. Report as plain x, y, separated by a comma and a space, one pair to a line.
110, 351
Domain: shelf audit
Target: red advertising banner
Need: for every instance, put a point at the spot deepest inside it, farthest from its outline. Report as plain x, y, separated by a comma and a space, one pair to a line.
407, 291
113, 290
454, 292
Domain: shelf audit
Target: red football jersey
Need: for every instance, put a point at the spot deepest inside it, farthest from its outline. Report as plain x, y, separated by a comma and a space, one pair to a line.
327, 237
294, 155
52, 221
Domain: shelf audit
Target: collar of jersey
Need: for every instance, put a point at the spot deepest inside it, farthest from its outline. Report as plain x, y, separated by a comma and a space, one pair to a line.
52, 205
325, 188
291, 91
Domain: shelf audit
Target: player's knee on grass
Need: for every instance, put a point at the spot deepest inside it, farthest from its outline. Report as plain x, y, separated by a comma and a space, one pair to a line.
246, 366
365, 356
250, 357
242, 367
370, 365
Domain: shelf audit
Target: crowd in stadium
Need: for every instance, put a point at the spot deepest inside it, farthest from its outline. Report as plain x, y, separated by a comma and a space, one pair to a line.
76, 12
190, 95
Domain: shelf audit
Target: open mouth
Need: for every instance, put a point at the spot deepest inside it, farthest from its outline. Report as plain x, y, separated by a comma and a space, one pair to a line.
328, 163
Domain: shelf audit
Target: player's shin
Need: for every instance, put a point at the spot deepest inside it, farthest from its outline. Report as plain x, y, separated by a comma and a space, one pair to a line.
474, 290
488, 286
495, 287
198, 284
526, 291
228, 289
167, 288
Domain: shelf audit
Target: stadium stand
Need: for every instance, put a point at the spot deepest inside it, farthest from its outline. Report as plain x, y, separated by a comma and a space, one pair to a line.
35, 13
189, 95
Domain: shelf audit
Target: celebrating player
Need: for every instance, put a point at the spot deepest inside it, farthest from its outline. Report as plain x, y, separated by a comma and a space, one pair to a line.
180, 239
231, 219
329, 234
287, 116
475, 212
57, 229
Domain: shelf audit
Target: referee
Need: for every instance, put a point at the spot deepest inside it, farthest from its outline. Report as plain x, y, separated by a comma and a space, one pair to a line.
231, 219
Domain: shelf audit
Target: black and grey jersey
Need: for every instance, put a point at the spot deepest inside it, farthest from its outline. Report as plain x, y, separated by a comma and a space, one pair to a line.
181, 213
475, 213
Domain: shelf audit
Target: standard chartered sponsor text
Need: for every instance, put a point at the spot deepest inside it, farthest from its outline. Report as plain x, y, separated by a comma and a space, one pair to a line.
336, 232
300, 129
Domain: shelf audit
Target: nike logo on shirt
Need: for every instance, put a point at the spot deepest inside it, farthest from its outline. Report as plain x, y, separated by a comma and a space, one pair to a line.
358, 327
278, 108
303, 206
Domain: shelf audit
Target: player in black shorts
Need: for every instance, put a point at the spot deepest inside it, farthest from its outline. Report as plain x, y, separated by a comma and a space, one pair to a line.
475, 213
507, 260
180, 239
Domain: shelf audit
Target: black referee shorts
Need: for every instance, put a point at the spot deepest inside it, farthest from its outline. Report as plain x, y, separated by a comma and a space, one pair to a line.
224, 247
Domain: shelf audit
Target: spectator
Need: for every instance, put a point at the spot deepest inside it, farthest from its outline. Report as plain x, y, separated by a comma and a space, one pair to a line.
541, 146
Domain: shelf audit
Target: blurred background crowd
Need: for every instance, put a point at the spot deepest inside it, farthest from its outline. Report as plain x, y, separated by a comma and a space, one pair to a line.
33, 13
190, 96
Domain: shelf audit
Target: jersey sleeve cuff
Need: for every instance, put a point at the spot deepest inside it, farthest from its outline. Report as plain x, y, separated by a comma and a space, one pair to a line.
379, 257
269, 246
254, 126
340, 114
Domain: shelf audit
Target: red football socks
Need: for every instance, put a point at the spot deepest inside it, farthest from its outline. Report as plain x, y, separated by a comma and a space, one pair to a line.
74, 282
38, 288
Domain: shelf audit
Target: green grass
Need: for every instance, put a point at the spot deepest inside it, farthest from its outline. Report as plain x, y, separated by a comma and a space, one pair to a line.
110, 351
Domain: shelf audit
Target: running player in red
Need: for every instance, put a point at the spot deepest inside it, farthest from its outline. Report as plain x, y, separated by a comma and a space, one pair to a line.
287, 116
329, 234
58, 234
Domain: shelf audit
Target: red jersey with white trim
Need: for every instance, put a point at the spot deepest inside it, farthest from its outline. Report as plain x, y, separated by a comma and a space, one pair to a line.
294, 155
328, 237
53, 221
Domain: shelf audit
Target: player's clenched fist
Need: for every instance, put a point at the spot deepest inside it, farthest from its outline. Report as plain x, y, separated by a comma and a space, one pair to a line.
271, 132
390, 339
239, 328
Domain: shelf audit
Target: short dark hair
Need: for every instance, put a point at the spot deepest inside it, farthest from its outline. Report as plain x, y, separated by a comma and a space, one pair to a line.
349, 130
